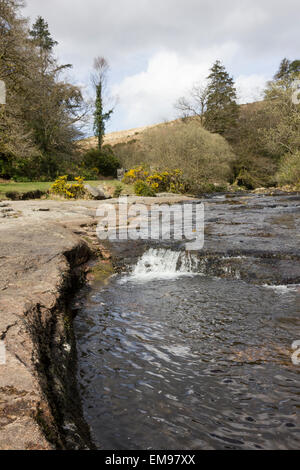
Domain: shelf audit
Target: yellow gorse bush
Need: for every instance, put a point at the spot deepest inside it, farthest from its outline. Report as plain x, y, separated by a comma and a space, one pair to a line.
135, 174
158, 181
61, 187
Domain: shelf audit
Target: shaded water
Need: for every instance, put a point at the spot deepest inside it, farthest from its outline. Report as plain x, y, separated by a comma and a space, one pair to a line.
170, 360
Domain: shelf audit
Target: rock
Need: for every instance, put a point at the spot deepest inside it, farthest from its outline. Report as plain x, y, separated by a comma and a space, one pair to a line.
37, 264
108, 192
6, 209
167, 195
17, 196
37, 194
105, 252
14, 195
96, 193
260, 191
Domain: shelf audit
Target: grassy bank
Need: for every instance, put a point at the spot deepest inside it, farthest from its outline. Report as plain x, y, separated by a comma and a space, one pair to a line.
23, 187
42, 186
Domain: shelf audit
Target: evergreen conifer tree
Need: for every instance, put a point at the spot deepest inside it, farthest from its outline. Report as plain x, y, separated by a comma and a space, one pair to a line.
222, 110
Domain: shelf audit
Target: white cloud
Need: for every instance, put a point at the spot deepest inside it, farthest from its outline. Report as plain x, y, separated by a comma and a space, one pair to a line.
158, 48
148, 97
250, 87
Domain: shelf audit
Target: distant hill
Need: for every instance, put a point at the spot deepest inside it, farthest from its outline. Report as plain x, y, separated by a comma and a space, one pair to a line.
115, 138
123, 137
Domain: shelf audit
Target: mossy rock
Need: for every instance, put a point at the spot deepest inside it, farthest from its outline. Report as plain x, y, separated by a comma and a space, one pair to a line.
17, 196
14, 195
101, 271
37, 194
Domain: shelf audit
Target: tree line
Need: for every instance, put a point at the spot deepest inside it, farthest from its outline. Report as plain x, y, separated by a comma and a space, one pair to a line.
45, 114
264, 136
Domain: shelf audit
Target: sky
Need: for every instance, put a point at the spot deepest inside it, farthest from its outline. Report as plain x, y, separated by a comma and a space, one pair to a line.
158, 49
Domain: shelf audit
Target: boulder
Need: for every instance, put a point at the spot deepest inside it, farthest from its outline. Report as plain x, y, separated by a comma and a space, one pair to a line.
167, 195
107, 191
96, 193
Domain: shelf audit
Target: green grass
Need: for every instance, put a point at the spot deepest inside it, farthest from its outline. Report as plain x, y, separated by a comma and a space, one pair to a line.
26, 187
23, 187
127, 188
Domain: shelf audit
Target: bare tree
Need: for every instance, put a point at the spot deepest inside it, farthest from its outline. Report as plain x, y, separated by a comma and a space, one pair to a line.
101, 69
195, 103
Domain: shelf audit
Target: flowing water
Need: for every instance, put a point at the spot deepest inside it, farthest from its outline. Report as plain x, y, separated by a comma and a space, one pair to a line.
172, 359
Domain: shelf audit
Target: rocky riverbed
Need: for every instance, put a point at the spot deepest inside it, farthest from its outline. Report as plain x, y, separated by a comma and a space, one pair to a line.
44, 248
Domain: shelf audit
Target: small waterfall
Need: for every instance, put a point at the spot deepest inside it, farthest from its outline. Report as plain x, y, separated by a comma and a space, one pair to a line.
164, 264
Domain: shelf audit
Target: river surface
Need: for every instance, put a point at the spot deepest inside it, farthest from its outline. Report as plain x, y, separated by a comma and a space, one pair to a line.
172, 359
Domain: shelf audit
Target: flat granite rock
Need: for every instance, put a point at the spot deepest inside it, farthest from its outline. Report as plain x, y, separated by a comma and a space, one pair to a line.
32, 272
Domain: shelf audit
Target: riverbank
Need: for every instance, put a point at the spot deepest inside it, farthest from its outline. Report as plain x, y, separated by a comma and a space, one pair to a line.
40, 268
15, 190
45, 246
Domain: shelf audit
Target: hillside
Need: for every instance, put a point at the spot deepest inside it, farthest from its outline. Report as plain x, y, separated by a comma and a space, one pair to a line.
115, 138
125, 136
122, 137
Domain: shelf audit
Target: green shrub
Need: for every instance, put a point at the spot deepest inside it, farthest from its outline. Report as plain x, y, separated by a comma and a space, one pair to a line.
89, 174
246, 180
104, 162
205, 188
118, 190
221, 188
141, 188
289, 169
44, 168
21, 179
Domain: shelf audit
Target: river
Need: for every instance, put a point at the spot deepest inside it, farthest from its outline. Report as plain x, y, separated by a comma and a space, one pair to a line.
173, 359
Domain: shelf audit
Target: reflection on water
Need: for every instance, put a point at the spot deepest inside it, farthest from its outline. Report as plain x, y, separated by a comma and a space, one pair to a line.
190, 363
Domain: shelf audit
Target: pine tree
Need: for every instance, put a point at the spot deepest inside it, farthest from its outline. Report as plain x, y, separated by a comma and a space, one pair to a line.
41, 36
288, 71
222, 110
283, 70
295, 67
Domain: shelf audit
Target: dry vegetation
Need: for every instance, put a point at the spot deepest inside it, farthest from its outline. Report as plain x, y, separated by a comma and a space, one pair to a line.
120, 137
201, 156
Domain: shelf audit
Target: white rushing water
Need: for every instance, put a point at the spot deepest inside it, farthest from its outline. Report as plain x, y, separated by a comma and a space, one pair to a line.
284, 289
163, 264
